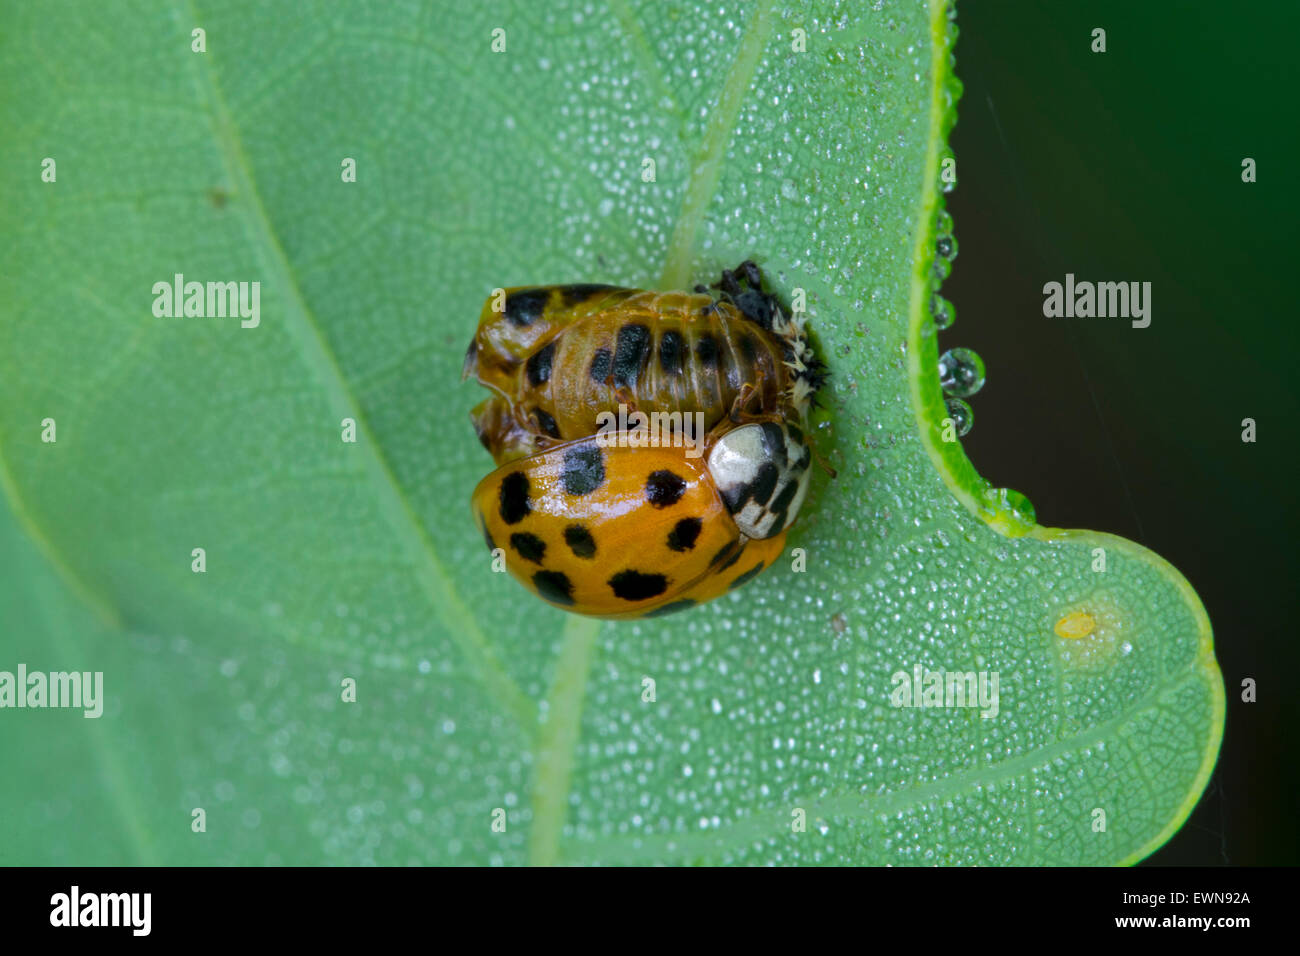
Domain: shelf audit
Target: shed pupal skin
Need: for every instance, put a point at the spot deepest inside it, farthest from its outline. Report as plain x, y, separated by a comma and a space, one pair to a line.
743, 288
762, 472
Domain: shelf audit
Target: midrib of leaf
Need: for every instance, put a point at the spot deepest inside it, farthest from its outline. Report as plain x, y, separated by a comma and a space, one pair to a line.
557, 740
704, 171
459, 623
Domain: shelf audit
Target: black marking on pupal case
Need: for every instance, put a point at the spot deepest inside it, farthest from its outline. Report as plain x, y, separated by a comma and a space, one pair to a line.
706, 350
538, 367
631, 349
571, 295
671, 347
546, 422
525, 307
601, 364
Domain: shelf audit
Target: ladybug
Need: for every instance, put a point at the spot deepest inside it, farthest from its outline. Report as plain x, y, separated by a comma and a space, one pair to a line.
618, 532
557, 357
600, 522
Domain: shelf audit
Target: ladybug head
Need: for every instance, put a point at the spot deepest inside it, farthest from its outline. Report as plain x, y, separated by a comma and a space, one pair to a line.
762, 473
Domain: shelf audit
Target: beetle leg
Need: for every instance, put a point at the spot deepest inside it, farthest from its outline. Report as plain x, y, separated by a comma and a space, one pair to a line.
747, 391
822, 462
744, 396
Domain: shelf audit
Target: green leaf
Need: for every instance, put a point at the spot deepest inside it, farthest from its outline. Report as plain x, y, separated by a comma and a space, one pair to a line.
328, 560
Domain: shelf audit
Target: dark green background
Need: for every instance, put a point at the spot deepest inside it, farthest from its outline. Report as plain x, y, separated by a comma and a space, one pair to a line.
1126, 165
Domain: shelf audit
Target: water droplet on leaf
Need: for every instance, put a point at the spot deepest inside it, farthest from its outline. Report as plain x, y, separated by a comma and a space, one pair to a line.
1008, 511
961, 372
943, 312
961, 414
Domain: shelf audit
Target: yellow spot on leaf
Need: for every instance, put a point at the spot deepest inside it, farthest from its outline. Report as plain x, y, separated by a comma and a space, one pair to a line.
1076, 625
1093, 634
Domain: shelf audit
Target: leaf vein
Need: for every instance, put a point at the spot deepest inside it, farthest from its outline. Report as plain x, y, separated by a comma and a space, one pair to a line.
461, 625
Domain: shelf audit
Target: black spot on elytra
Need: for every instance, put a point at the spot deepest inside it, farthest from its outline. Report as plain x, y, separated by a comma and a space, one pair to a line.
600, 365
573, 294
733, 558
672, 607
525, 307
706, 350
530, 547
729, 552
538, 368
580, 541
584, 469
631, 349
671, 347
555, 586
664, 488
634, 586
546, 423
513, 495
746, 577
684, 533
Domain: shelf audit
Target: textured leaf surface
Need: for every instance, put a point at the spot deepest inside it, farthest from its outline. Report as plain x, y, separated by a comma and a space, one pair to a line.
328, 560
